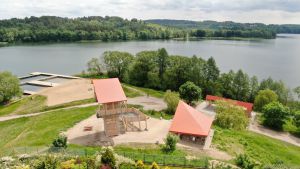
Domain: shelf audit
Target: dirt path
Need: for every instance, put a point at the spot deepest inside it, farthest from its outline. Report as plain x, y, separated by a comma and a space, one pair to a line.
148, 102
283, 136
11, 117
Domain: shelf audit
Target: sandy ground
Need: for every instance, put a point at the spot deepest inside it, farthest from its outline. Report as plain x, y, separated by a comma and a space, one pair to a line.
77, 89
157, 131
148, 102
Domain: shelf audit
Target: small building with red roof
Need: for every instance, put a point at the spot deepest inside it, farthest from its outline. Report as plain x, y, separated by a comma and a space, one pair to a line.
247, 106
192, 125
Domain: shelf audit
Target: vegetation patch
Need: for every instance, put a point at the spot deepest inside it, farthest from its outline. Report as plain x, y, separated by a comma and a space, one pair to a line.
30, 104
262, 149
40, 130
147, 91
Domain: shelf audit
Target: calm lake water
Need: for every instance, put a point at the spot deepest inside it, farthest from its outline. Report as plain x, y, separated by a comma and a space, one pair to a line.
278, 58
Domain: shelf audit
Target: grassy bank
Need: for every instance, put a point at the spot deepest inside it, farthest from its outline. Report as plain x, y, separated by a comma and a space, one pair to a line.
147, 91
261, 148
30, 104
40, 130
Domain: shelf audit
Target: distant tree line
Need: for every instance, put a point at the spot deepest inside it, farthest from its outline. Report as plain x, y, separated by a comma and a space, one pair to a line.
53, 29
58, 29
244, 28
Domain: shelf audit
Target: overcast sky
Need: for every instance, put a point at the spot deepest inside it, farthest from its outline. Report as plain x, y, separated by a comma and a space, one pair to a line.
266, 11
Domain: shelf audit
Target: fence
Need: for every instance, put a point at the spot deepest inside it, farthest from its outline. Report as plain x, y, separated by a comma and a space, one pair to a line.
167, 160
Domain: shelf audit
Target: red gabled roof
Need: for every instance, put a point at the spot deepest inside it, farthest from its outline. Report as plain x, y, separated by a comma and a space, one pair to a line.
109, 90
188, 120
248, 106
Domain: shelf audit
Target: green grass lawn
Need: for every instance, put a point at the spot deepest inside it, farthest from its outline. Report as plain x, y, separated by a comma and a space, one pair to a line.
130, 92
40, 130
36, 103
261, 148
150, 92
30, 104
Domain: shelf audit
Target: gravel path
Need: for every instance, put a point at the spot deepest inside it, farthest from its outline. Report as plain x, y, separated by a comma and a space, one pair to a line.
283, 136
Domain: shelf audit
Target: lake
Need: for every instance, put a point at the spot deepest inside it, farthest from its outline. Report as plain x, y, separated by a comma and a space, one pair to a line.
278, 58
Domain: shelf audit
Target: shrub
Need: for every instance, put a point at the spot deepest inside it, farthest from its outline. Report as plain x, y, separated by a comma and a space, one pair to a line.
60, 142
126, 166
172, 99
190, 92
154, 166
9, 87
230, 116
275, 115
67, 164
108, 158
139, 164
170, 143
243, 161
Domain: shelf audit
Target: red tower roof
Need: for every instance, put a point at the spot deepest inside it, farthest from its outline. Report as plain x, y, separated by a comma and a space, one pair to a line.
109, 90
188, 120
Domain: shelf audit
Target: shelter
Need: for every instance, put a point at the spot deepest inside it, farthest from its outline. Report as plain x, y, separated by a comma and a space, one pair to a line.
192, 125
247, 106
113, 108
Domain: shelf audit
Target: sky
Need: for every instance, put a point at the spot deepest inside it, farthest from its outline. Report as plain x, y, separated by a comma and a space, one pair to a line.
263, 11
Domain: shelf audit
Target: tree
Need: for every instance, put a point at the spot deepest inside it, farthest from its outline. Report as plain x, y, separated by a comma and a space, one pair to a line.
9, 87
117, 63
297, 91
190, 92
172, 99
278, 87
211, 75
241, 86
254, 86
226, 81
177, 72
275, 115
144, 63
94, 67
230, 116
297, 119
263, 98
170, 143
162, 58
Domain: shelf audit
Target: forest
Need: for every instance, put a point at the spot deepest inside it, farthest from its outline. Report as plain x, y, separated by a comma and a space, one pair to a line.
55, 29
228, 25
58, 29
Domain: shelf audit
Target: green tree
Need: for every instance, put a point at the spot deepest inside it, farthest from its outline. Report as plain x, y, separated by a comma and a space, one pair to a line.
177, 72
241, 86
117, 63
297, 91
254, 86
144, 63
275, 115
278, 87
230, 116
297, 119
190, 92
172, 99
9, 87
94, 67
170, 143
162, 58
211, 75
226, 81
263, 98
